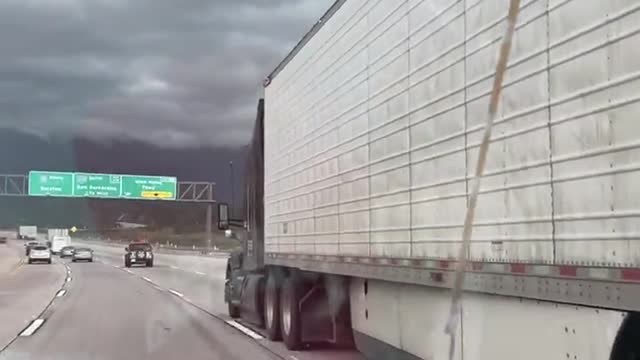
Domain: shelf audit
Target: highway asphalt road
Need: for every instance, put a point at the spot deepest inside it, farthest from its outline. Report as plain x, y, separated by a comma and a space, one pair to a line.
174, 310
108, 314
10, 255
24, 292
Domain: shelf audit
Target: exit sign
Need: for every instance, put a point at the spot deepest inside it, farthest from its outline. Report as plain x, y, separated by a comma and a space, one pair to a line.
148, 187
107, 186
43, 183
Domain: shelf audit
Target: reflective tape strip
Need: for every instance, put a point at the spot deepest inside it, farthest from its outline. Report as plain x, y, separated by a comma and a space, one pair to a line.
517, 268
601, 273
611, 273
630, 274
566, 270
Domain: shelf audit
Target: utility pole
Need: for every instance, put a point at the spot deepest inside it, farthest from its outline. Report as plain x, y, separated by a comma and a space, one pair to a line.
209, 236
232, 190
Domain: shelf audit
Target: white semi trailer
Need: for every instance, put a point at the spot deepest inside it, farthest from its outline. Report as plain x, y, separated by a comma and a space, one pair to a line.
27, 232
359, 178
51, 233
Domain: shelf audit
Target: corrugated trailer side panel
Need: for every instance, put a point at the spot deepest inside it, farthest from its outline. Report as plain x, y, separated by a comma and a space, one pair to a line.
372, 131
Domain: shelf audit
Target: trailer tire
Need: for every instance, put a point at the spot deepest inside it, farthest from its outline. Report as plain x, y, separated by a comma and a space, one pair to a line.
290, 326
626, 343
233, 310
272, 308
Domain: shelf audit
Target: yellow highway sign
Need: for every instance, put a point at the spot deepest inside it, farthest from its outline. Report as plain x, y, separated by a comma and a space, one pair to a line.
157, 194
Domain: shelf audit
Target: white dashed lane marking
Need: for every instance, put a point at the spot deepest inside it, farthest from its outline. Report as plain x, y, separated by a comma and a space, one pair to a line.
245, 330
61, 293
35, 325
176, 293
200, 273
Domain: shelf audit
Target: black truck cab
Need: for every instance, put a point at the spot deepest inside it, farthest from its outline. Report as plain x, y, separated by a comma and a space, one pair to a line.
138, 253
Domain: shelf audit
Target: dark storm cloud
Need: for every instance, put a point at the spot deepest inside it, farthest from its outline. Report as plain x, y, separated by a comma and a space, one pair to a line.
174, 73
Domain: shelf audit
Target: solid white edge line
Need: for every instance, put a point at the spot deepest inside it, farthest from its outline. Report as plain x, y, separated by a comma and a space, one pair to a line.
254, 335
35, 325
61, 293
176, 293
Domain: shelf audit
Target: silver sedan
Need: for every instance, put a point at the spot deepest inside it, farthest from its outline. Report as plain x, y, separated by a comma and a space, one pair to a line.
67, 251
40, 253
82, 254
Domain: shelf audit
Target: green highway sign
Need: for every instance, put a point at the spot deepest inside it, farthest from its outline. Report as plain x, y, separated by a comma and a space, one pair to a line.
45, 183
97, 185
149, 187
107, 186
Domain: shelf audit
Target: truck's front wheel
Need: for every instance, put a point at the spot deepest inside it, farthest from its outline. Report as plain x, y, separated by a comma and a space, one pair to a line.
290, 314
272, 308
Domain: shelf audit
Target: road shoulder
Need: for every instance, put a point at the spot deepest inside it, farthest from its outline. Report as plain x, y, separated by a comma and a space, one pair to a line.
10, 258
25, 294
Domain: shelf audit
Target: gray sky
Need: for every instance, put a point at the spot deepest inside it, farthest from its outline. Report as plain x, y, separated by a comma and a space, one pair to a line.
171, 72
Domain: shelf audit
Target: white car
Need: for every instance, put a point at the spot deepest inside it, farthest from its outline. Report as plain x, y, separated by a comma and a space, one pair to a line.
82, 254
40, 253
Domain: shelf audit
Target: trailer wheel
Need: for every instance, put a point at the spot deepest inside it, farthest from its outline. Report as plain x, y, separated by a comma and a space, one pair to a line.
626, 344
290, 314
272, 309
233, 310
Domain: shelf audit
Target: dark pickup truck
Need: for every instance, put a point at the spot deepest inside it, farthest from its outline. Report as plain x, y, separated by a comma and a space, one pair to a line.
138, 253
